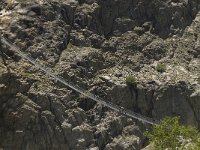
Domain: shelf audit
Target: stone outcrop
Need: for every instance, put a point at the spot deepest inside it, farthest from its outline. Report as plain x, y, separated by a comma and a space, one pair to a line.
96, 44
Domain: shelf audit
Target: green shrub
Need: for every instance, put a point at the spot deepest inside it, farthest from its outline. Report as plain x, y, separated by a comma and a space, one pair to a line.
131, 81
161, 67
172, 136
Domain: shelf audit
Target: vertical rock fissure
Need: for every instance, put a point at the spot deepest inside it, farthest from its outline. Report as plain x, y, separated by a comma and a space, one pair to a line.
57, 121
193, 109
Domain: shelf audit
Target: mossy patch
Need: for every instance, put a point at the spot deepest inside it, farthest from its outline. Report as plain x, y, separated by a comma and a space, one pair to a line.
161, 67
131, 81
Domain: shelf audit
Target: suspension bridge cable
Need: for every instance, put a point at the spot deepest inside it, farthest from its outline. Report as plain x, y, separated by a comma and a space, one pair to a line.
110, 105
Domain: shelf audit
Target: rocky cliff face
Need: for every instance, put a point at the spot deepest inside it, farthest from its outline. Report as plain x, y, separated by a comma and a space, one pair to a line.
96, 44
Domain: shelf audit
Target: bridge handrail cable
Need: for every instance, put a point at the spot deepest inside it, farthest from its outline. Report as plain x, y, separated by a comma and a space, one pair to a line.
78, 89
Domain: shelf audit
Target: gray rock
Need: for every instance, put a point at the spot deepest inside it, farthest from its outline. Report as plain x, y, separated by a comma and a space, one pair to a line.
124, 96
85, 42
174, 100
123, 143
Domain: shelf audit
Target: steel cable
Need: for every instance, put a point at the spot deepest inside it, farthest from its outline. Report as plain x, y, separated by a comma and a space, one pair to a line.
112, 106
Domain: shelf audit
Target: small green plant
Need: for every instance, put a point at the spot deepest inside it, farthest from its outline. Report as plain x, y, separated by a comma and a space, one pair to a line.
161, 67
171, 135
131, 81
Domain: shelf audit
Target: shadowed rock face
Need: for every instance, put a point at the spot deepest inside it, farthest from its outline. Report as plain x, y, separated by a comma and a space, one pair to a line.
116, 17
96, 44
